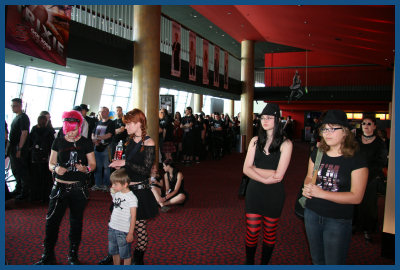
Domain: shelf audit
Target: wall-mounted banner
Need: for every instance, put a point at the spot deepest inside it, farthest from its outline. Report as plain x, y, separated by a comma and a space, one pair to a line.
176, 50
40, 31
205, 62
216, 66
192, 56
226, 70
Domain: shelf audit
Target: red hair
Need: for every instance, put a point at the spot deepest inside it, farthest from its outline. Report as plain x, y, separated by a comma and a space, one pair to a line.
135, 116
71, 120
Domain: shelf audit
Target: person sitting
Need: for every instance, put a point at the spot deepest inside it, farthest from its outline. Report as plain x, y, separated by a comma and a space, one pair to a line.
157, 184
174, 186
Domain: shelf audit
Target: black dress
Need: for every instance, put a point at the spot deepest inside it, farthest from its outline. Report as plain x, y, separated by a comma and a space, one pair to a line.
263, 199
138, 168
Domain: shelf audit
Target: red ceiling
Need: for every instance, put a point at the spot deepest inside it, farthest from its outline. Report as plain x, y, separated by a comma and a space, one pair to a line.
365, 34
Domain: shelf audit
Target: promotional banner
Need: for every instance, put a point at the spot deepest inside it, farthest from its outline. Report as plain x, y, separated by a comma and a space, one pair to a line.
40, 31
216, 66
205, 62
192, 56
226, 70
176, 50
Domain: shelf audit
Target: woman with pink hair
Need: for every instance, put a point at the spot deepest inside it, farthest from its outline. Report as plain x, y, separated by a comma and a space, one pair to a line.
71, 160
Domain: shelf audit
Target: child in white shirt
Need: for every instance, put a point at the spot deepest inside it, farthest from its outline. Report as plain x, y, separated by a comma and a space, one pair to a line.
122, 223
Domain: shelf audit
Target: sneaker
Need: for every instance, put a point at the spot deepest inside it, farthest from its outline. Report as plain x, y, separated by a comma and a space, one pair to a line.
165, 209
104, 188
96, 188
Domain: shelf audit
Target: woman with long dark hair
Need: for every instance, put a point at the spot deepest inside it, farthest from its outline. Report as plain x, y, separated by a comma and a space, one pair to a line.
340, 184
266, 162
140, 156
71, 159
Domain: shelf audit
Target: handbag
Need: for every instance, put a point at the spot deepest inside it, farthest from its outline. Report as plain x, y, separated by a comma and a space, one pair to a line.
300, 202
243, 185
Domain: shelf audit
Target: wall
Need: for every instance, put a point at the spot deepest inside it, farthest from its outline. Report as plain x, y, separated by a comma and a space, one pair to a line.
92, 93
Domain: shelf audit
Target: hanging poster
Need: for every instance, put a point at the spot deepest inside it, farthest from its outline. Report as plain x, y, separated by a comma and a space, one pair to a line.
226, 70
216, 66
192, 56
205, 62
176, 50
40, 31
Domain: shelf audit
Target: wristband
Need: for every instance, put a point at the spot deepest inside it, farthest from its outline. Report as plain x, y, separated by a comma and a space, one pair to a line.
88, 169
54, 168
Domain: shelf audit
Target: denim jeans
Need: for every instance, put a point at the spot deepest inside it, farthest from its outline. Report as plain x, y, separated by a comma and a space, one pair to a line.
328, 238
102, 161
117, 244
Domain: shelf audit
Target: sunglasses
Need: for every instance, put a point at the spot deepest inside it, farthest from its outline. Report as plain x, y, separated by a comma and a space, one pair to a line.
368, 124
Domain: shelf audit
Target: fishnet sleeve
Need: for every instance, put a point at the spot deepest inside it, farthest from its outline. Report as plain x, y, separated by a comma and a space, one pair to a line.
145, 168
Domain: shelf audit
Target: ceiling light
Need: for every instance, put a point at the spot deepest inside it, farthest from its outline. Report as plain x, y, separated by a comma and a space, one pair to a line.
223, 35
210, 27
194, 16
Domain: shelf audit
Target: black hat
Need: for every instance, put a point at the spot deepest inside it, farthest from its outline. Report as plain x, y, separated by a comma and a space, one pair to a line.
77, 108
336, 117
84, 107
271, 109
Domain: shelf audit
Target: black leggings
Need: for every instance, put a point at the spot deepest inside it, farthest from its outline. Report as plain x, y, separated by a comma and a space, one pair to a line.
61, 198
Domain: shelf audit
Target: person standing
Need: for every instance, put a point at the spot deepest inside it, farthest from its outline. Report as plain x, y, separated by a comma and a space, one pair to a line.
71, 159
90, 120
268, 157
140, 157
19, 150
120, 131
340, 184
187, 140
102, 137
373, 149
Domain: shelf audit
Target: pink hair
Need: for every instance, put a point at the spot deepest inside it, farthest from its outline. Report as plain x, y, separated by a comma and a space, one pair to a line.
70, 125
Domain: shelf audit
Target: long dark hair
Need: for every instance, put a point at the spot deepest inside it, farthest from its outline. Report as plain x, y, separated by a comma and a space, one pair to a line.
175, 171
276, 140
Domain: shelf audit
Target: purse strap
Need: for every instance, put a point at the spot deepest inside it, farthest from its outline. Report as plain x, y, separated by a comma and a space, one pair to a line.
316, 166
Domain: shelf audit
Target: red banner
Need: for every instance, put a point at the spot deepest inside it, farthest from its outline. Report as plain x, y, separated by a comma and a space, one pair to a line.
226, 70
216, 66
40, 31
192, 56
205, 62
176, 50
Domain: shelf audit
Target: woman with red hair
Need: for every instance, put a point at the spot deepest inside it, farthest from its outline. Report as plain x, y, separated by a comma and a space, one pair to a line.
71, 160
140, 156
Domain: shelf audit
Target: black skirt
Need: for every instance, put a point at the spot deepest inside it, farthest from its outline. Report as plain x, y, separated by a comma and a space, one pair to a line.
147, 204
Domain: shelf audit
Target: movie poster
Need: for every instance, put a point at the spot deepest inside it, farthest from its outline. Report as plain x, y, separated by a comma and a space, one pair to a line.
216, 66
176, 50
205, 62
226, 70
192, 56
40, 31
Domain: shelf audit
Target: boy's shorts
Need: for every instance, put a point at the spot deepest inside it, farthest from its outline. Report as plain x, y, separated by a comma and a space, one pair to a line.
117, 244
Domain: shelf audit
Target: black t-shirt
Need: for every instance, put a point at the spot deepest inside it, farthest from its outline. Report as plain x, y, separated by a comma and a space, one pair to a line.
121, 136
218, 124
166, 123
101, 129
187, 120
68, 155
334, 175
20, 123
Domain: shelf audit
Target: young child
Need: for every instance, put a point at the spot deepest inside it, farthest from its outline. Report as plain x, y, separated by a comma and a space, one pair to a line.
122, 223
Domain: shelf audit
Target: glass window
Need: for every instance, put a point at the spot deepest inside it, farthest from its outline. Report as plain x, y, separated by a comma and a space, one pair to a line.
123, 91
13, 73
63, 100
120, 101
65, 82
108, 81
106, 101
35, 100
39, 77
68, 74
12, 90
81, 88
108, 89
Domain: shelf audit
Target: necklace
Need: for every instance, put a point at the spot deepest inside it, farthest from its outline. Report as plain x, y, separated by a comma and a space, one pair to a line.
368, 138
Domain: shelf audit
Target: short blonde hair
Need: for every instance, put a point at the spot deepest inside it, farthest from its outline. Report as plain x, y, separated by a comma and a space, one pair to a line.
120, 176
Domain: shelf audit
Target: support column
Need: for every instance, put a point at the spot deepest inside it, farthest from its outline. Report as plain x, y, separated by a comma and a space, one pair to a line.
198, 103
231, 108
92, 93
247, 97
146, 65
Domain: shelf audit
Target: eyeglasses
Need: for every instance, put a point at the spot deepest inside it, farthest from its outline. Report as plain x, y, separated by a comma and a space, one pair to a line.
368, 124
329, 130
267, 118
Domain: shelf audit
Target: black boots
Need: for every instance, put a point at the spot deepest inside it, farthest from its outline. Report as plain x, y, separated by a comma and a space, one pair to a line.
73, 255
48, 257
266, 253
250, 254
106, 260
138, 257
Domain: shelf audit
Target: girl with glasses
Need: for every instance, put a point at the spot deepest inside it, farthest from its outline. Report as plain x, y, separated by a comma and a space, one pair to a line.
340, 184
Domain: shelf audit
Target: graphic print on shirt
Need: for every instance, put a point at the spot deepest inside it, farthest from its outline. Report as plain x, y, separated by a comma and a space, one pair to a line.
117, 202
73, 159
328, 177
101, 130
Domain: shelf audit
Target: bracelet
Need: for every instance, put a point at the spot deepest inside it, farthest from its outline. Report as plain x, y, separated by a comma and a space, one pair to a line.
88, 169
54, 168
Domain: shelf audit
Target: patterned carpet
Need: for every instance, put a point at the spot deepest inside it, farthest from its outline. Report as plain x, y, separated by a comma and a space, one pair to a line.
208, 230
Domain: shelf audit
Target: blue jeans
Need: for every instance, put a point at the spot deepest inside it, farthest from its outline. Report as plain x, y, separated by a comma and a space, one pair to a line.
117, 244
328, 238
102, 161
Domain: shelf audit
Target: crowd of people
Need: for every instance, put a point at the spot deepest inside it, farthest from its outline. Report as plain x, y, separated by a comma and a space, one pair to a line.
59, 168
